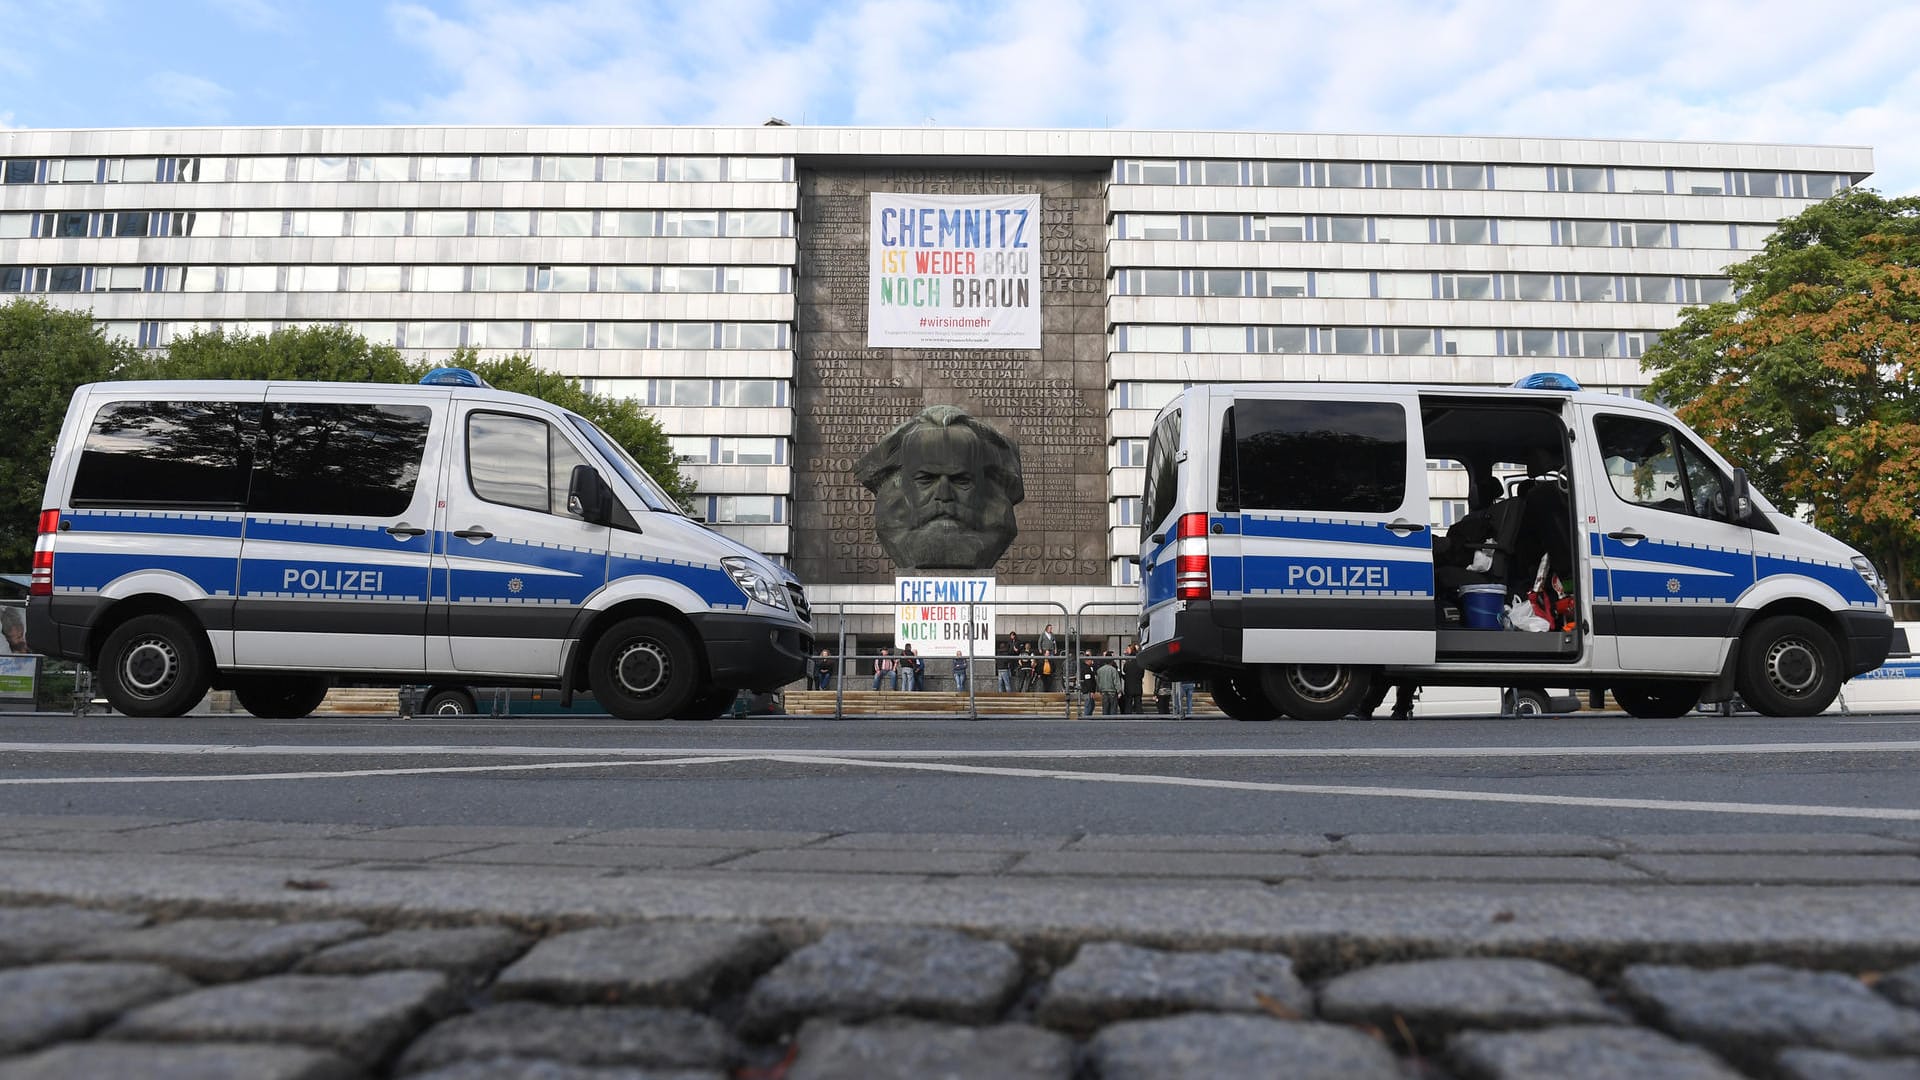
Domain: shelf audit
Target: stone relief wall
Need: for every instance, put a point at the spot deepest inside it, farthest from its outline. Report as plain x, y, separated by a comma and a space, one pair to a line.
1050, 402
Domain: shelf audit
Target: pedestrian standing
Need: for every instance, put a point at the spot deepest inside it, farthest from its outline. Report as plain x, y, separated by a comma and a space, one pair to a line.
1003, 665
960, 670
1107, 681
1132, 671
910, 666
1049, 643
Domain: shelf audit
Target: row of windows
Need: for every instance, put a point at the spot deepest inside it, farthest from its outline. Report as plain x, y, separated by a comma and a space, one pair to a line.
1420, 285
694, 393
1386, 341
1353, 229
728, 449
393, 169
437, 278
507, 335
1478, 177
546, 223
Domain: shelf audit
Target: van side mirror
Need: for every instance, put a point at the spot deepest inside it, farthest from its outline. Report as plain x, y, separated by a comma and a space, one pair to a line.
588, 496
1740, 499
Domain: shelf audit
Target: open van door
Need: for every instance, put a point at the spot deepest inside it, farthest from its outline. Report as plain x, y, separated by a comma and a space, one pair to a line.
1323, 513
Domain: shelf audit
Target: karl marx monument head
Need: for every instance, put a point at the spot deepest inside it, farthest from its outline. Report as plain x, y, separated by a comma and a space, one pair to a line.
944, 487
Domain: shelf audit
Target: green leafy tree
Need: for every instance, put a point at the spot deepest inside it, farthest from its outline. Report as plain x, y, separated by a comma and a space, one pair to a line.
332, 353
1811, 378
45, 353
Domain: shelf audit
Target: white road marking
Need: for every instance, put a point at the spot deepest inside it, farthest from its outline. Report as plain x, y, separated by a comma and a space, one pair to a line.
345, 774
1069, 753
1440, 794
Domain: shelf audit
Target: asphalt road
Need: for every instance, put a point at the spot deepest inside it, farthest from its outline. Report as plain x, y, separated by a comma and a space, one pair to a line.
1589, 774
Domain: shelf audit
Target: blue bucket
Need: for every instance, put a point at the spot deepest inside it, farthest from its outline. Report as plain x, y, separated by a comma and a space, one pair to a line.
1480, 606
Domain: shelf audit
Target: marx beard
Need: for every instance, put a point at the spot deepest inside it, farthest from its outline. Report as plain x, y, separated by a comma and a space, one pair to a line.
942, 535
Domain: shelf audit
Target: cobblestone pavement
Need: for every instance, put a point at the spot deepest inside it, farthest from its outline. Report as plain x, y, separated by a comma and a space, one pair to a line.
142, 948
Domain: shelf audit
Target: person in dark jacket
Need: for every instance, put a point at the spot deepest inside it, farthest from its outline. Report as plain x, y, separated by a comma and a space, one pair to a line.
1132, 672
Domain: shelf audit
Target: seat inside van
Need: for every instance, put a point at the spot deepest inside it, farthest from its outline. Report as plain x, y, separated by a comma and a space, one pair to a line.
1520, 512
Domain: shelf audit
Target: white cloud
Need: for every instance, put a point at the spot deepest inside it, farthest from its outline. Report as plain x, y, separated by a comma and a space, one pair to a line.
1723, 70
193, 98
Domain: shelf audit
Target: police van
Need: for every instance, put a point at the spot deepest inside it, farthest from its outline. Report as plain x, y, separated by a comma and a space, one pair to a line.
274, 537
1286, 554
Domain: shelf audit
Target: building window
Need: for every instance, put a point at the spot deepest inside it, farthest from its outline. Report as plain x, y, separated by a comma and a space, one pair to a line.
1339, 174
1153, 339
693, 169
257, 223
1645, 235
433, 335
446, 168
559, 335
1460, 177
1699, 182
1532, 343
503, 223
379, 223
1279, 173
1216, 226
561, 278
324, 169
1597, 343
1152, 172
499, 279
317, 223
1348, 285
437, 279
1280, 339
566, 168
1650, 290
1280, 227
753, 279
566, 223
1400, 175
1456, 342
1130, 453
1706, 290
1405, 341
1219, 283
686, 335
1342, 230
750, 335
19, 171
690, 223
691, 449
1643, 181
1594, 288
506, 168
440, 223
1396, 230
1280, 283
749, 393
1349, 340
757, 169
1465, 231
637, 169
1466, 286
1702, 236
744, 509
497, 335
744, 451
1520, 177
1218, 173
1152, 226
1579, 178
373, 279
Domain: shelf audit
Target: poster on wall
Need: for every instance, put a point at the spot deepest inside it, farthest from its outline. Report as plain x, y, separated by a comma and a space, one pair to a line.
18, 674
939, 616
953, 271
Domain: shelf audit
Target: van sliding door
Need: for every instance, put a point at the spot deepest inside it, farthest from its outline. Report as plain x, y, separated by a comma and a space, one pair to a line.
1336, 554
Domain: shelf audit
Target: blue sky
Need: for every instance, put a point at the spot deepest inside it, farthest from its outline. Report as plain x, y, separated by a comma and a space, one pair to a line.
1755, 71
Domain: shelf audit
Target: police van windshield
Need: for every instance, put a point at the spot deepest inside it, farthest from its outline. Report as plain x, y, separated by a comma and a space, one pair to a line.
636, 477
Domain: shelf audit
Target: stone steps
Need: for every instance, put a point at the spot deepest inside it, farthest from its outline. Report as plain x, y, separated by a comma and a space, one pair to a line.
941, 703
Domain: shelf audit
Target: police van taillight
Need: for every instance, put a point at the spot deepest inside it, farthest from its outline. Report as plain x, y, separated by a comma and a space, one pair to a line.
41, 583
1191, 578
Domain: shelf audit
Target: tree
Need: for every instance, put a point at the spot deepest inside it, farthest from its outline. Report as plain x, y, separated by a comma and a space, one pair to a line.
1811, 378
332, 353
45, 353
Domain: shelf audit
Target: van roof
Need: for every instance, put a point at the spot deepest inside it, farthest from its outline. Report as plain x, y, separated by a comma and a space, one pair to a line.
252, 387
1446, 389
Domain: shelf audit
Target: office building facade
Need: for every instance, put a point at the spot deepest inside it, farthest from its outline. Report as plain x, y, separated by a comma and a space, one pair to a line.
723, 278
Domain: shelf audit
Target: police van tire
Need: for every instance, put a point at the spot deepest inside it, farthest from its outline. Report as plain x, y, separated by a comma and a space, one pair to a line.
1789, 666
155, 665
1240, 697
1657, 700
1316, 691
709, 705
643, 668
449, 703
280, 697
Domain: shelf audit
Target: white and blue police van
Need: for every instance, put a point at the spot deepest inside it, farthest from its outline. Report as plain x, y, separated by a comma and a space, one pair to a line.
273, 538
1287, 556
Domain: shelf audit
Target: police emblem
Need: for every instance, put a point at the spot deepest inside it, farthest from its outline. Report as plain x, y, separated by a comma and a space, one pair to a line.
514, 585
1673, 584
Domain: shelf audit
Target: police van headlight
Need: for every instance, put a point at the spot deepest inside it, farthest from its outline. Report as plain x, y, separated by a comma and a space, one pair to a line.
756, 585
1872, 576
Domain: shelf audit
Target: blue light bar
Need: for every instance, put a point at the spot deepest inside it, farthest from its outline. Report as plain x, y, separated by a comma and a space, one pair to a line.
1546, 380
453, 376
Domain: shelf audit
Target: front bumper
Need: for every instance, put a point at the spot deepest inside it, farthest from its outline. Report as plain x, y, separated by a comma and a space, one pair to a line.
746, 652
1869, 640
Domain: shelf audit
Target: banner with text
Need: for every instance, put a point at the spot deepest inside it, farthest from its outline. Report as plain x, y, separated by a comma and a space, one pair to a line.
941, 615
954, 272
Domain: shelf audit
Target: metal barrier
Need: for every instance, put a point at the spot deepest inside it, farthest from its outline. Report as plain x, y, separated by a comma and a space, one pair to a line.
840, 612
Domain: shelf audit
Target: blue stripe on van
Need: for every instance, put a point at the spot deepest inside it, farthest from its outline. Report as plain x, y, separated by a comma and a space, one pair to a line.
331, 534
213, 523
523, 572
1842, 578
91, 571
1326, 576
709, 582
1227, 574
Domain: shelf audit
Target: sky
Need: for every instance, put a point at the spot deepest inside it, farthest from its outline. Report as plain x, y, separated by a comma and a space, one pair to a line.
1789, 71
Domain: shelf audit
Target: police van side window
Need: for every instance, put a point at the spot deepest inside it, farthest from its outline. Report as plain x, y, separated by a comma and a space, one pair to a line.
1158, 487
339, 459
167, 454
519, 461
1650, 464
1333, 456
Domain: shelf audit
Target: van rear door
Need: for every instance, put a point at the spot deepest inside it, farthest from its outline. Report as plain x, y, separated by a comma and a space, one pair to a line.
1324, 495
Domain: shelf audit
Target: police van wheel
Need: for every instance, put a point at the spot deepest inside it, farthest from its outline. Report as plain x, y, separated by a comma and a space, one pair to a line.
1657, 701
287, 697
709, 705
449, 703
1530, 702
1316, 691
1240, 697
1789, 666
154, 665
643, 669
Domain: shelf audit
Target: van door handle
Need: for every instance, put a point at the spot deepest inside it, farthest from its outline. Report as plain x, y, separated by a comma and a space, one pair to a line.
405, 531
475, 533
1404, 527
1628, 536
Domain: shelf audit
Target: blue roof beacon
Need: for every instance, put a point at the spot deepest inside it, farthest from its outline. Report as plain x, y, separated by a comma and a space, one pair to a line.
453, 376
1546, 380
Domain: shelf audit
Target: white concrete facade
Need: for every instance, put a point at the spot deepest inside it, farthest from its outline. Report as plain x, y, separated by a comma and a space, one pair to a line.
659, 263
